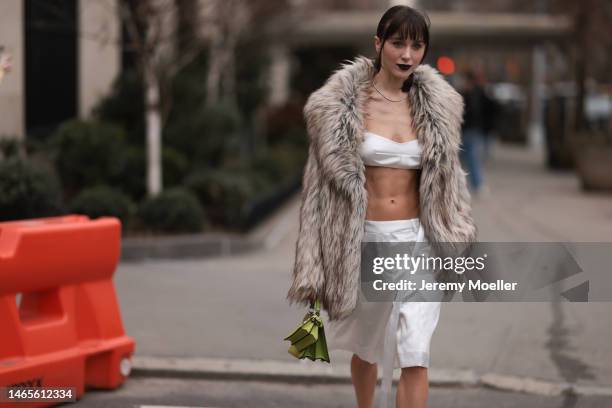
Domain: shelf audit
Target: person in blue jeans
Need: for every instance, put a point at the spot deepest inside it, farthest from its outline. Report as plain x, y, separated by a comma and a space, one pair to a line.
473, 130
471, 155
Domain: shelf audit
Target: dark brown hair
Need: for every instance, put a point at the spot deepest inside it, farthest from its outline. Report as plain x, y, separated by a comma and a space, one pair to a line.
409, 23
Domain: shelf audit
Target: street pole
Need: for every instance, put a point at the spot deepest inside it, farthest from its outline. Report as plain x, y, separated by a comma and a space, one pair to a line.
535, 135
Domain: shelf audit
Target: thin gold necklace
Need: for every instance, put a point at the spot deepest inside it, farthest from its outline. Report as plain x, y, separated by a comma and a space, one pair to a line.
390, 100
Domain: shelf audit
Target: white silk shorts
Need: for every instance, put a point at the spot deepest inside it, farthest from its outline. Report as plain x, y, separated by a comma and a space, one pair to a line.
380, 331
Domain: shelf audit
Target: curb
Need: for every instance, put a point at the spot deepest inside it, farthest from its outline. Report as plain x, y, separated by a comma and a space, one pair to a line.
266, 235
305, 371
135, 249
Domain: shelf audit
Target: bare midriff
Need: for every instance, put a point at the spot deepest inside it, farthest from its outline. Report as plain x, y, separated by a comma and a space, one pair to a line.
393, 194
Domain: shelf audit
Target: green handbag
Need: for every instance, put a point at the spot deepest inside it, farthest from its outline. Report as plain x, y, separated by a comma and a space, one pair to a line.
308, 339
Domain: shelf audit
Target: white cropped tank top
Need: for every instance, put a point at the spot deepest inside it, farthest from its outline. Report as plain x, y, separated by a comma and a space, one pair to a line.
377, 150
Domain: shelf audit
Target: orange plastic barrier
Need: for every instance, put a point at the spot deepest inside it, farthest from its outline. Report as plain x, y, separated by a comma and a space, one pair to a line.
67, 329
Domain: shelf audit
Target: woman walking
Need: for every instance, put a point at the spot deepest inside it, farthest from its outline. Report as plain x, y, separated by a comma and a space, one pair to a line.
383, 165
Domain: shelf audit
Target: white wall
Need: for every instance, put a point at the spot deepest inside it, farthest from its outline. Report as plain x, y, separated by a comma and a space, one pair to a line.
12, 104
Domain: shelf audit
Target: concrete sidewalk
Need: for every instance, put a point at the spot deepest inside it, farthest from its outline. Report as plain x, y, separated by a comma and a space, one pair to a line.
232, 310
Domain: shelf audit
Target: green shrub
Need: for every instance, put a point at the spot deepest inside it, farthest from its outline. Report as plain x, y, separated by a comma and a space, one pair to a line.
203, 136
125, 106
281, 162
89, 153
27, 191
103, 201
134, 178
174, 210
188, 92
11, 146
251, 78
189, 124
224, 192
174, 167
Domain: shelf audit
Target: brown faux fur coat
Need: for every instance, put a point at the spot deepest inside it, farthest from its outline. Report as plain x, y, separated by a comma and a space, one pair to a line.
334, 198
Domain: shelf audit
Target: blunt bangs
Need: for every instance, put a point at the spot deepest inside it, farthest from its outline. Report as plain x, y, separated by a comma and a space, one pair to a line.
408, 24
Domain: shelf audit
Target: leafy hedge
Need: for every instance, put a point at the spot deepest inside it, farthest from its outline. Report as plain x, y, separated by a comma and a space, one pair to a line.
103, 201
27, 191
224, 193
89, 153
174, 210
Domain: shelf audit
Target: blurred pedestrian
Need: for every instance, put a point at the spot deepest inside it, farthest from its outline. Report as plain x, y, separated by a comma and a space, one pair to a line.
473, 130
491, 111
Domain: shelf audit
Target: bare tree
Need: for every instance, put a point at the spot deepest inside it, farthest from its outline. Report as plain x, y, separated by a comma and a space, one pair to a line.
166, 35
233, 19
152, 32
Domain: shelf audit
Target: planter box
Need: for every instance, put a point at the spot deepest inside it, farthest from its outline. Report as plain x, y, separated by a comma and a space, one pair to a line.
593, 159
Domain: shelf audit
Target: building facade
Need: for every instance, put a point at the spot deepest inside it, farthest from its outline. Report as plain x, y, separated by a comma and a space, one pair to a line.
65, 56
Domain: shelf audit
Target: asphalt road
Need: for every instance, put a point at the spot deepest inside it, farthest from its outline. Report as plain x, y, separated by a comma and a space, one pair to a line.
143, 392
